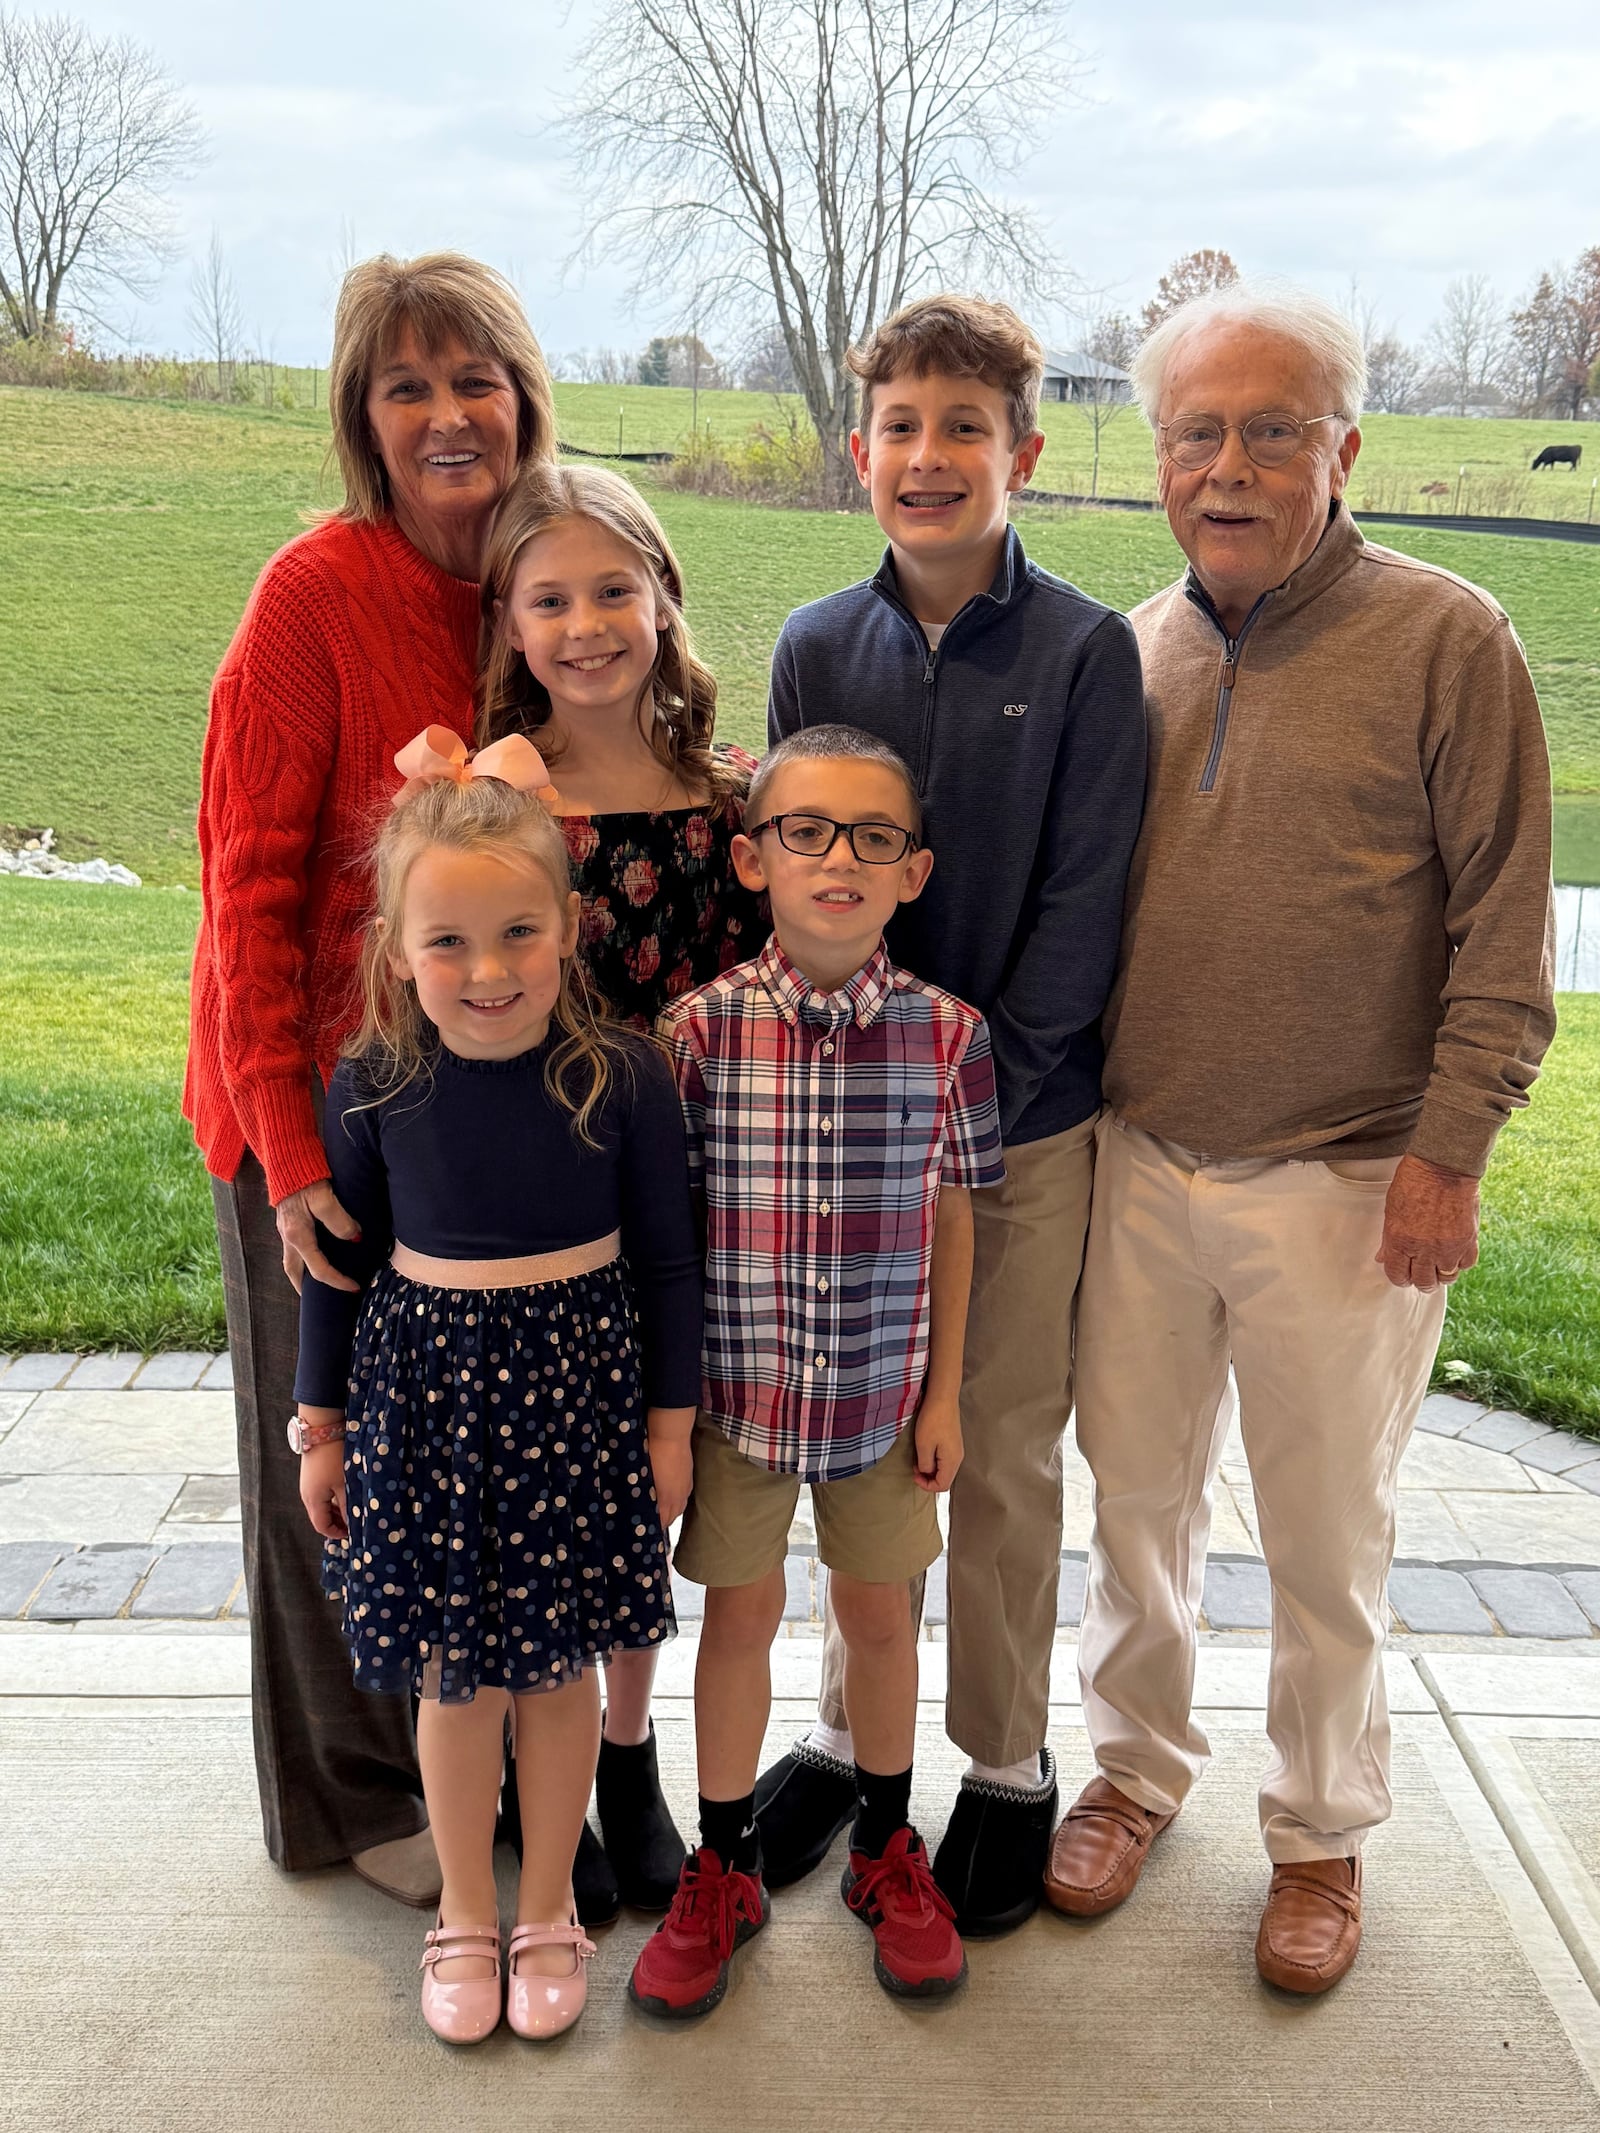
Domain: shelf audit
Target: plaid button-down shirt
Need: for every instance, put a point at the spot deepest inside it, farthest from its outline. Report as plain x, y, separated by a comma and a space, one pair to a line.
820, 1129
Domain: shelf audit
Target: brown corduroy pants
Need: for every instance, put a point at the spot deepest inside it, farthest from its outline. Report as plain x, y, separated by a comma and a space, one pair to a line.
337, 1767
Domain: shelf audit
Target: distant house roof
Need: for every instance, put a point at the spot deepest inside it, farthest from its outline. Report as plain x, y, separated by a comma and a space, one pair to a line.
1073, 363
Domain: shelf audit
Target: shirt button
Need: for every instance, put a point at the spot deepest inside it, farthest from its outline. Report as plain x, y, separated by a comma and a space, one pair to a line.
822, 1362
827, 1049
824, 1207
827, 1125
822, 1286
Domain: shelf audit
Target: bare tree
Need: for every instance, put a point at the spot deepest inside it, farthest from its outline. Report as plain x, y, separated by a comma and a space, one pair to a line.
1580, 292
1109, 340
1395, 374
214, 312
764, 366
1466, 339
92, 132
1196, 274
822, 160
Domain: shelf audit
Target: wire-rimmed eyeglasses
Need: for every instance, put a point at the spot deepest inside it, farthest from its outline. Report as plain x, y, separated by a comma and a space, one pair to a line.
875, 844
1193, 441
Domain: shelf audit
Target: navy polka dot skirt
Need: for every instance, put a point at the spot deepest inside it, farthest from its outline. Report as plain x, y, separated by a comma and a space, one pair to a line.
503, 1524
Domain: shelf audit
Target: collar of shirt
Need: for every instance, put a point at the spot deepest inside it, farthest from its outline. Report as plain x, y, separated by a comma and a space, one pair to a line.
858, 1000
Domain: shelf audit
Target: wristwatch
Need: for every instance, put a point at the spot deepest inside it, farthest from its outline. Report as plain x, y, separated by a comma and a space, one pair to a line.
306, 1436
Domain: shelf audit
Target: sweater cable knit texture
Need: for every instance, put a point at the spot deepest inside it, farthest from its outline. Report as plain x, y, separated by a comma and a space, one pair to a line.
351, 642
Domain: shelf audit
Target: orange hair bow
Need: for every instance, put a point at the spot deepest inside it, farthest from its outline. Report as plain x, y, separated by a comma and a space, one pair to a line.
438, 753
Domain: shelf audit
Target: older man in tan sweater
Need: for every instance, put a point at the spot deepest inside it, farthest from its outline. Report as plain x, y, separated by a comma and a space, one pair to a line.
1335, 986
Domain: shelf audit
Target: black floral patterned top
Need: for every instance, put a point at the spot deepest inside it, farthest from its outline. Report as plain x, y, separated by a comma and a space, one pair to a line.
663, 910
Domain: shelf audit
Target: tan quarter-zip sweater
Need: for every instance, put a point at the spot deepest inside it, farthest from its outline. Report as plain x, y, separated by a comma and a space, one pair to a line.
1338, 937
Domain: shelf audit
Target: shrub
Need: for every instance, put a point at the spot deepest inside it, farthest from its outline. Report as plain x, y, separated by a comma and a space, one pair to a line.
774, 463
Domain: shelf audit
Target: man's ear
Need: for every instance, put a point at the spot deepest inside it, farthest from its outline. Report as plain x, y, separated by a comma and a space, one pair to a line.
747, 862
915, 878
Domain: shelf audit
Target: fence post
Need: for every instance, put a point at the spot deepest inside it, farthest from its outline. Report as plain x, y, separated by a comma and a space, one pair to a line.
1455, 501
619, 433
1592, 487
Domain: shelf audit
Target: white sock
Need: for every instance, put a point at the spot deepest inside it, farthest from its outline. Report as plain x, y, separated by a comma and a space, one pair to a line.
832, 1740
1027, 1776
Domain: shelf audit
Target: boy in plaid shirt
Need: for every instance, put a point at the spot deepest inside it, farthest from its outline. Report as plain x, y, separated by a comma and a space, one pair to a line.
839, 1114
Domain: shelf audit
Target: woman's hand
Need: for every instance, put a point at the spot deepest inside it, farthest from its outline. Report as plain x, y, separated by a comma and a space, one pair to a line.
671, 1459
322, 1489
297, 1219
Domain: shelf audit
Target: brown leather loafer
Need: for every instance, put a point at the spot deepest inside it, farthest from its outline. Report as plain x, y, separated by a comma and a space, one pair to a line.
1311, 1927
1099, 1850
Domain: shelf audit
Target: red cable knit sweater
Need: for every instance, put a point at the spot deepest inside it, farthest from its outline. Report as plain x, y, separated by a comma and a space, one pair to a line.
352, 642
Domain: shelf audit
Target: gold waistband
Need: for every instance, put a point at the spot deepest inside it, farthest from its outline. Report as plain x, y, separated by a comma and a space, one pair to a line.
506, 1273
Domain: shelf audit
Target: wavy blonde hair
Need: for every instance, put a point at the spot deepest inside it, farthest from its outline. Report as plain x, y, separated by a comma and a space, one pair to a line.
442, 297
395, 1041
678, 702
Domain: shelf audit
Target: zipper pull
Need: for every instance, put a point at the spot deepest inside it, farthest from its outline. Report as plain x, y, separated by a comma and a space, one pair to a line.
1229, 669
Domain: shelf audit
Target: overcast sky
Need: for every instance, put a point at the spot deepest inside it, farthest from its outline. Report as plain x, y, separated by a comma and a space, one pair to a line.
1404, 142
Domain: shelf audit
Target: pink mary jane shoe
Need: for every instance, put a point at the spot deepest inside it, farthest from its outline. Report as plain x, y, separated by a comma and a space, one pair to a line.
540, 2006
461, 2010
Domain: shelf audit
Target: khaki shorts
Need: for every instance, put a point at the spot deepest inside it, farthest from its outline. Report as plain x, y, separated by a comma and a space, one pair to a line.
877, 1526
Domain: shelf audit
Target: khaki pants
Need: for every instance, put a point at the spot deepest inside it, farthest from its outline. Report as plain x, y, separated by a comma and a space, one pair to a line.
1016, 1402
1191, 1263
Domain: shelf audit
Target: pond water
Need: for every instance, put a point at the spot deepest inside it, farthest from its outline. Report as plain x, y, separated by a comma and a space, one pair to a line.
1577, 872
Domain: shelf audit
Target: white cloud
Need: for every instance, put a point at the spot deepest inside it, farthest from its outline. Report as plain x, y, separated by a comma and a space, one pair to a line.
1399, 144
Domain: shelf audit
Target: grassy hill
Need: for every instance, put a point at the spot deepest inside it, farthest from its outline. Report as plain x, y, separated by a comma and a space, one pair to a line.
131, 532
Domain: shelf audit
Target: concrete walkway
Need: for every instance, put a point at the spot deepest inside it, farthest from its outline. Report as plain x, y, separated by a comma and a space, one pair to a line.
160, 1974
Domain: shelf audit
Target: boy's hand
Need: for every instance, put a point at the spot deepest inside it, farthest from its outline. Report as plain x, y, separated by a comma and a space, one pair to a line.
322, 1489
937, 1439
670, 1430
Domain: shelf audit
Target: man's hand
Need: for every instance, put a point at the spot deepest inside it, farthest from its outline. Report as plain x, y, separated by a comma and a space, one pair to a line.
670, 1431
322, 1488
297, 1217
1430, 1225
937, 1438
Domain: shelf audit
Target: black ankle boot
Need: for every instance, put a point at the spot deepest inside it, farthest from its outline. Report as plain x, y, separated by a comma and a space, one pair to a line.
594, 1885
642, 1841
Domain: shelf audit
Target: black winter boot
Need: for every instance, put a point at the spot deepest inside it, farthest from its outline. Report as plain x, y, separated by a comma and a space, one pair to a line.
642, 1841
594, 1885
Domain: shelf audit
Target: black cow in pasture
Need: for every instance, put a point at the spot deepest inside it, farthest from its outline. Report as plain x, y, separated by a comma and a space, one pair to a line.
1557, 455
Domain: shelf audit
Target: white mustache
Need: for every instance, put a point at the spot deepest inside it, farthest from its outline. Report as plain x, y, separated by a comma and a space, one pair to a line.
1228, 507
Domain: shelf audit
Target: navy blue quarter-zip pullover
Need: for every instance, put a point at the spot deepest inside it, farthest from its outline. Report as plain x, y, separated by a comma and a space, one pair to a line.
1025, 732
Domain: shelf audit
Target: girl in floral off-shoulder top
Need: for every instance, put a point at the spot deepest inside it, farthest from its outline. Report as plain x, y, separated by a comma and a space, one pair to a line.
585, 648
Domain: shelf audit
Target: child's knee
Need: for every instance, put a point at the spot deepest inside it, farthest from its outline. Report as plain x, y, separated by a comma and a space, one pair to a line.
871, 1617
745, 1617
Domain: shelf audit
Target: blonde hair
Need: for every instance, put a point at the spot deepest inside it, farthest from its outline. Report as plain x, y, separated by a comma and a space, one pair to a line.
956, 337
680, 692
442, 297
394, 1041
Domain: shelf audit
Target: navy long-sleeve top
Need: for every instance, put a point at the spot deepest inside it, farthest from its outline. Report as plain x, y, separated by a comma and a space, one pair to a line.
480, 1161
1025, 733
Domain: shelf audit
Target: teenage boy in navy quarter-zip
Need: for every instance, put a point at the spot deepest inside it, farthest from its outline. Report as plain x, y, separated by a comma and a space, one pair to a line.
1018, 703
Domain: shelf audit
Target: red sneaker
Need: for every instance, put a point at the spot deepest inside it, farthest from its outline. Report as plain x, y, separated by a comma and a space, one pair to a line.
919, 1952
683, 1966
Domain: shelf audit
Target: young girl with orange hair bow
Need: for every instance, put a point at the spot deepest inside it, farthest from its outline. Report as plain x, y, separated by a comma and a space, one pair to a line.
494, 1428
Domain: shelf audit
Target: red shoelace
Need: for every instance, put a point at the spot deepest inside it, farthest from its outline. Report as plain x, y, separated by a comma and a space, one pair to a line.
711, 1904
902, 1884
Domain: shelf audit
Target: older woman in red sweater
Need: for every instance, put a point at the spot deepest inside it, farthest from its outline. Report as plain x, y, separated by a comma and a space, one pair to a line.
357, 635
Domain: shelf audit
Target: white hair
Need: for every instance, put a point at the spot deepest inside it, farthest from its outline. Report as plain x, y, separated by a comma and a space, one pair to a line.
1327, 336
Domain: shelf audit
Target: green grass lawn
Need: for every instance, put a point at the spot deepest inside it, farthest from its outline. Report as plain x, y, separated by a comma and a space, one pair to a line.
105, 1220
131, 532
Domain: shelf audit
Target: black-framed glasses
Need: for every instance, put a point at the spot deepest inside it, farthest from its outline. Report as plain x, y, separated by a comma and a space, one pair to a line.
875, 844
1272, 440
